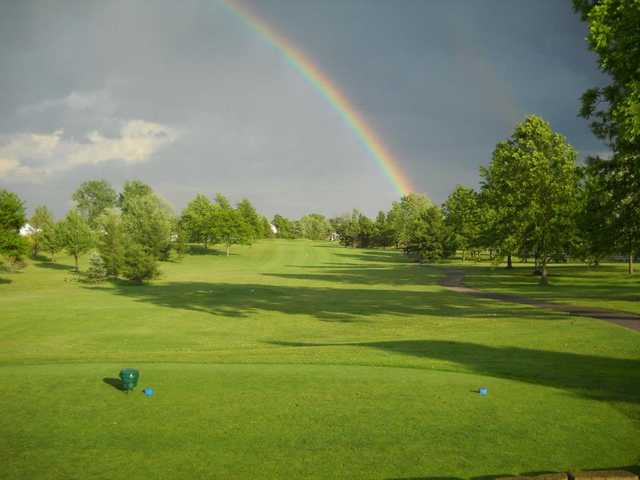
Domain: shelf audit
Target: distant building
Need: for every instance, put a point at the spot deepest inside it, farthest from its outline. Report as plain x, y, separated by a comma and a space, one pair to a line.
274, 229
27, 230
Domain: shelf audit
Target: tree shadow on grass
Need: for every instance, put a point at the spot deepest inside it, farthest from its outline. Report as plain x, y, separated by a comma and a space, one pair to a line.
590, 376
4, 281
54, 266
327, 304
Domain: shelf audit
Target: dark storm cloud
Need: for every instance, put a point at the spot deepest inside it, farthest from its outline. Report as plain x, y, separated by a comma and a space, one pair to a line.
184, 96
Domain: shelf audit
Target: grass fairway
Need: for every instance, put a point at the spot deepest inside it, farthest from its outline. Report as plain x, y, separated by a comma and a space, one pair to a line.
295, 359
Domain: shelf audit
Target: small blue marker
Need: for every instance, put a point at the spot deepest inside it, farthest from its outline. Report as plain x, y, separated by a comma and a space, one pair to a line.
483, 391
148, 391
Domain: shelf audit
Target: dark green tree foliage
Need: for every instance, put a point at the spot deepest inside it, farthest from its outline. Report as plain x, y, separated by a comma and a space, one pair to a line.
384, 233
92, 198
96, 272
284, 227
138, 264
111, 241
614, 35
147, 222
266, 228
403, 215
532, 183
426, 235
40, 221
197, 220
12, 218
251, 218
463, 218
229, 226
131, 190
77, 236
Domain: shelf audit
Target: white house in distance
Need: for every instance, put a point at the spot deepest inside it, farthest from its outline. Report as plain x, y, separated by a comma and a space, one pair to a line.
274, 230
27, 230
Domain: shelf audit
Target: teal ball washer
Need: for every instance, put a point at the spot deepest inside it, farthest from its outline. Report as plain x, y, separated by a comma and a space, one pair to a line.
129, 378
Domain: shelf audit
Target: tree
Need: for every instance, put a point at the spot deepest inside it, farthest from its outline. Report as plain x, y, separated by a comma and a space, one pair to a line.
41, 220
12, 218
131, 190
404, 214
533, 175
384, 233
426, 235
614, 36
284, 226
138, 264
197, 219
229, 226
111, 241
147, 222
92, 198
315, 227
97, 271
462, 217
251, 218
77, 236
52, 240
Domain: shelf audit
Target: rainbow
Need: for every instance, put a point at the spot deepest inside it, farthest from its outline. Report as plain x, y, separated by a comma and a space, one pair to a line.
323, 84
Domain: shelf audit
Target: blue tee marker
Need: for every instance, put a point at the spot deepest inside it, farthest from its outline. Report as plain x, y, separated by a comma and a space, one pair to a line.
484, 391
148, 391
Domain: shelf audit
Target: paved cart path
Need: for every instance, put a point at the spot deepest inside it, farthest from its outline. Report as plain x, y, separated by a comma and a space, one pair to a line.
454, 281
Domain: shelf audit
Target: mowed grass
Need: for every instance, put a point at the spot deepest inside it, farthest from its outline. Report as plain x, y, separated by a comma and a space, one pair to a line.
295, 359
606, 286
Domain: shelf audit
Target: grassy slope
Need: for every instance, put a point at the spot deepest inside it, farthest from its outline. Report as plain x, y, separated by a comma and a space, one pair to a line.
606, 286
270, 364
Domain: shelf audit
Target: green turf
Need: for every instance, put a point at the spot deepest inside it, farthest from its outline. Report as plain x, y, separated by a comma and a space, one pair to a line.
606, 286
294, 359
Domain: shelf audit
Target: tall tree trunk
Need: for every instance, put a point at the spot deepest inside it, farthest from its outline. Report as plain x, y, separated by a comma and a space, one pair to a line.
630, 263
228, 248
543, 273
75, 256
509, 261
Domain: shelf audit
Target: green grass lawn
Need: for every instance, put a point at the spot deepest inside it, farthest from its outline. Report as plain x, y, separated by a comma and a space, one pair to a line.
605, 286
295, 359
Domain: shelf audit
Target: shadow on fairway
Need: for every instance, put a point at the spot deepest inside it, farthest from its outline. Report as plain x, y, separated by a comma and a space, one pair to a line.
54, 266
114, 382
4, 281
327, 304
590, 376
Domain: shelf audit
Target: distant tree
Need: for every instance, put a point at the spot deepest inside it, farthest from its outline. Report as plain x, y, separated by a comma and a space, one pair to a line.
284, 226
534, 174
315, 227
251, 218
147, 222
462, 216
92, 198
12, 218
426, 235
131, 190
266, 228
111, 241
77, 236
384, 233
41, 220
229, 226
403, 215
197, 220
96, 272
52, 240
138, 264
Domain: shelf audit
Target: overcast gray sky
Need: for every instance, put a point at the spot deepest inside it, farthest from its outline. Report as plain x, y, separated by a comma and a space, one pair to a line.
184, 96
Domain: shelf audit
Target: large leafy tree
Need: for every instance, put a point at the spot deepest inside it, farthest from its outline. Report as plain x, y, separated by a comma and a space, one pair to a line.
251, 218
93, 197
131, 190
197, 219
463, 217
384, 233
426, 235
12, 218
533, 178
40, 221
147, 221
52, 240
112, 241
315, 226
403, 215
229, 226
76, 235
